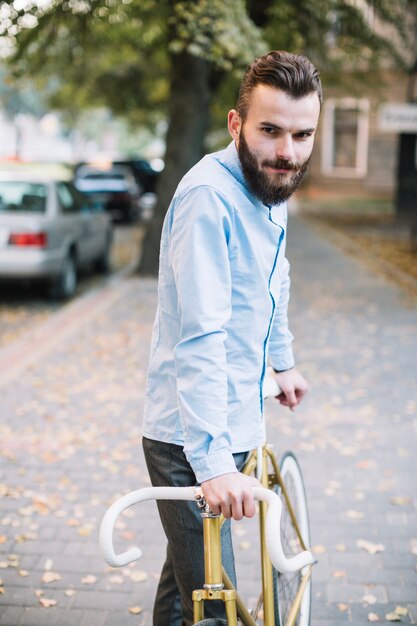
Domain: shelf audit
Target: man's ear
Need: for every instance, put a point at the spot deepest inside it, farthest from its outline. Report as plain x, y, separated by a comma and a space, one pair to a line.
234, 124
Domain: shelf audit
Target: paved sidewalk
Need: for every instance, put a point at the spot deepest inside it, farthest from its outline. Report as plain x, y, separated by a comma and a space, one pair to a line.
70, 418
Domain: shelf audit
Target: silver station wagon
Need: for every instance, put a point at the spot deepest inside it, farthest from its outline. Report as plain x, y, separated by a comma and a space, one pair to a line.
49, 231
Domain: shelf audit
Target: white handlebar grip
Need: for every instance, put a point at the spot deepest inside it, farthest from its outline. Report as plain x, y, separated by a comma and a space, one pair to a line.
109, 519
273, 535
270, 387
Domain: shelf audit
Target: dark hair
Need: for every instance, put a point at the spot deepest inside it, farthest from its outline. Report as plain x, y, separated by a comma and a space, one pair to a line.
292, 73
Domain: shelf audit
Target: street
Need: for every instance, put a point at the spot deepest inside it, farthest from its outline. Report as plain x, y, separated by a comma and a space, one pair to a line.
72, 393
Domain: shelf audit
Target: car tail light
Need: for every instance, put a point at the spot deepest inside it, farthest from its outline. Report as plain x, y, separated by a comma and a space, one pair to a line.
33, 240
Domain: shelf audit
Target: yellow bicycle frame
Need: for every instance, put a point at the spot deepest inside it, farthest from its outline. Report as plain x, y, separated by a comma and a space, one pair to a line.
217, 584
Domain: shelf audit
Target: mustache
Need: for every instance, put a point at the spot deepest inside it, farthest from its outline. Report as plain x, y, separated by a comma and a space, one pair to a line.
282, 164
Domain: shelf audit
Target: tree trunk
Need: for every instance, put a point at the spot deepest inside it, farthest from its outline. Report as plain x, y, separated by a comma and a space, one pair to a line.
189, 105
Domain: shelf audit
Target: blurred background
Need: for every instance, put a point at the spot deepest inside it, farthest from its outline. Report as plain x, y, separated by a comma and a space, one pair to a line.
121, 98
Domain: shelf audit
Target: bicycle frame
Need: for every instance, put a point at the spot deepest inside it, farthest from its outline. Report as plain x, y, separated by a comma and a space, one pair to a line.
217, 583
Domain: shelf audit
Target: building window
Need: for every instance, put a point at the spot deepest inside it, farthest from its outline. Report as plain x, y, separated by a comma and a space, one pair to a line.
345, 137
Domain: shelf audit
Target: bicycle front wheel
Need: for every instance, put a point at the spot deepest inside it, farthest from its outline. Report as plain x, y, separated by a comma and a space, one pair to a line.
287, 586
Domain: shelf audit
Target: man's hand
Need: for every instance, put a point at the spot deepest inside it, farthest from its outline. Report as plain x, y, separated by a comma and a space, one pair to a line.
294, 387
231, 495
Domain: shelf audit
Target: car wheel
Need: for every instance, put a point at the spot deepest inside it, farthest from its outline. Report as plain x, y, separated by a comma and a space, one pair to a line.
65, 285
103, 264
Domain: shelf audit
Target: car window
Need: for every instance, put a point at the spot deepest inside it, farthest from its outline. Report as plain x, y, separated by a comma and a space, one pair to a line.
21, 196
106, 176
70, 199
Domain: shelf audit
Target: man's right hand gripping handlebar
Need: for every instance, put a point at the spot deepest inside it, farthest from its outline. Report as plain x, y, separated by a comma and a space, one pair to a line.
231, 494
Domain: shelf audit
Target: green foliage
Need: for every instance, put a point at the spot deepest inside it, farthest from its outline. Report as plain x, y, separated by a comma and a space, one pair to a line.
117, 53
218, 31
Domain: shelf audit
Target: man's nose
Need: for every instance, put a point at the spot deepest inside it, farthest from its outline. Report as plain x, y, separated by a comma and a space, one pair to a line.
285, 148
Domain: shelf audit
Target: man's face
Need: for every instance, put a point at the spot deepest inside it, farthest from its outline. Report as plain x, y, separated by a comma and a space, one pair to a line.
275, 141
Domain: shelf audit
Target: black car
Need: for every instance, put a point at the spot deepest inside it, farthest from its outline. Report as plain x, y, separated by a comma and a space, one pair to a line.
114, 188
143, 172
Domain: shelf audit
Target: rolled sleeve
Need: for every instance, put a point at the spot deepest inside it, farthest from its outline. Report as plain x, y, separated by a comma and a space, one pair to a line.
200, 241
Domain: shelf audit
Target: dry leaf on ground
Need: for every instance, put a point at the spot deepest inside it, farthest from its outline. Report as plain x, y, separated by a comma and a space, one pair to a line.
47, 602
393, 617
139, 577
369, 598
401, 610
50, 577
400, 500
373, 617
117, 579
319, 549
89, 580
135, 610
371, 548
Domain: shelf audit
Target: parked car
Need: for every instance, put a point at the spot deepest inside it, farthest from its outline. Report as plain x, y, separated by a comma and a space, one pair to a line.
49, 231
143, 172
114, 188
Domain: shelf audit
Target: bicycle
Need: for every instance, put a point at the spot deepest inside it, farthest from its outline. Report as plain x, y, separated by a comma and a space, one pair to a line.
286, 562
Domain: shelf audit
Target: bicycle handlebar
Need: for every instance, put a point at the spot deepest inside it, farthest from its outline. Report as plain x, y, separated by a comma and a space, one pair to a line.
273, 518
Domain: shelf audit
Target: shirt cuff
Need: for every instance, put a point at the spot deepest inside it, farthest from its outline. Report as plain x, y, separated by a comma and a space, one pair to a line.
282, 362
213, 465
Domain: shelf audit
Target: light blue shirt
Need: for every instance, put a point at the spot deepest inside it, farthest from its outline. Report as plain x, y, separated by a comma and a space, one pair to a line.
222, 315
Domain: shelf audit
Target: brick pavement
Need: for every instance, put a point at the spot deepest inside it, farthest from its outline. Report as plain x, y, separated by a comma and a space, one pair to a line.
70, 432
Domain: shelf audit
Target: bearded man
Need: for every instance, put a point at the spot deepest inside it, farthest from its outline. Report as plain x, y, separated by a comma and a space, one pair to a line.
222, 317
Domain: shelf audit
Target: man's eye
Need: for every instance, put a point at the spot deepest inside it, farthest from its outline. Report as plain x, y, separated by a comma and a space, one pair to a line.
269, 130
303, 135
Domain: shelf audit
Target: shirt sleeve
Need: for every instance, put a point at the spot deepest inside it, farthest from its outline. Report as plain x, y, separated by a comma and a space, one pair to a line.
281, 355
200, 241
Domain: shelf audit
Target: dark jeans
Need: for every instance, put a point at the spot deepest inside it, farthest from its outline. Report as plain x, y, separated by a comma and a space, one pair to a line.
183, 570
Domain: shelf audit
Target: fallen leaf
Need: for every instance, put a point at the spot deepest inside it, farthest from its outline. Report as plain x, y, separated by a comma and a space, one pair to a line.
135, 610
117, 579
23, 573
371, 548
367, 464
340, 573
89, 580
401, 610
73, 522
47, 603
393, 617
50, 577
3, 538
244, 545
319, 549
139, 577
369, 598
48, 564
70, 592
373, 617
85, 531
355, 514
342, 607
128, 535
341, 547
400, 500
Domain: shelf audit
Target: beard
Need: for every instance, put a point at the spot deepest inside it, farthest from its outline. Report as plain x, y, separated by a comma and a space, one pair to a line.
269, 189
